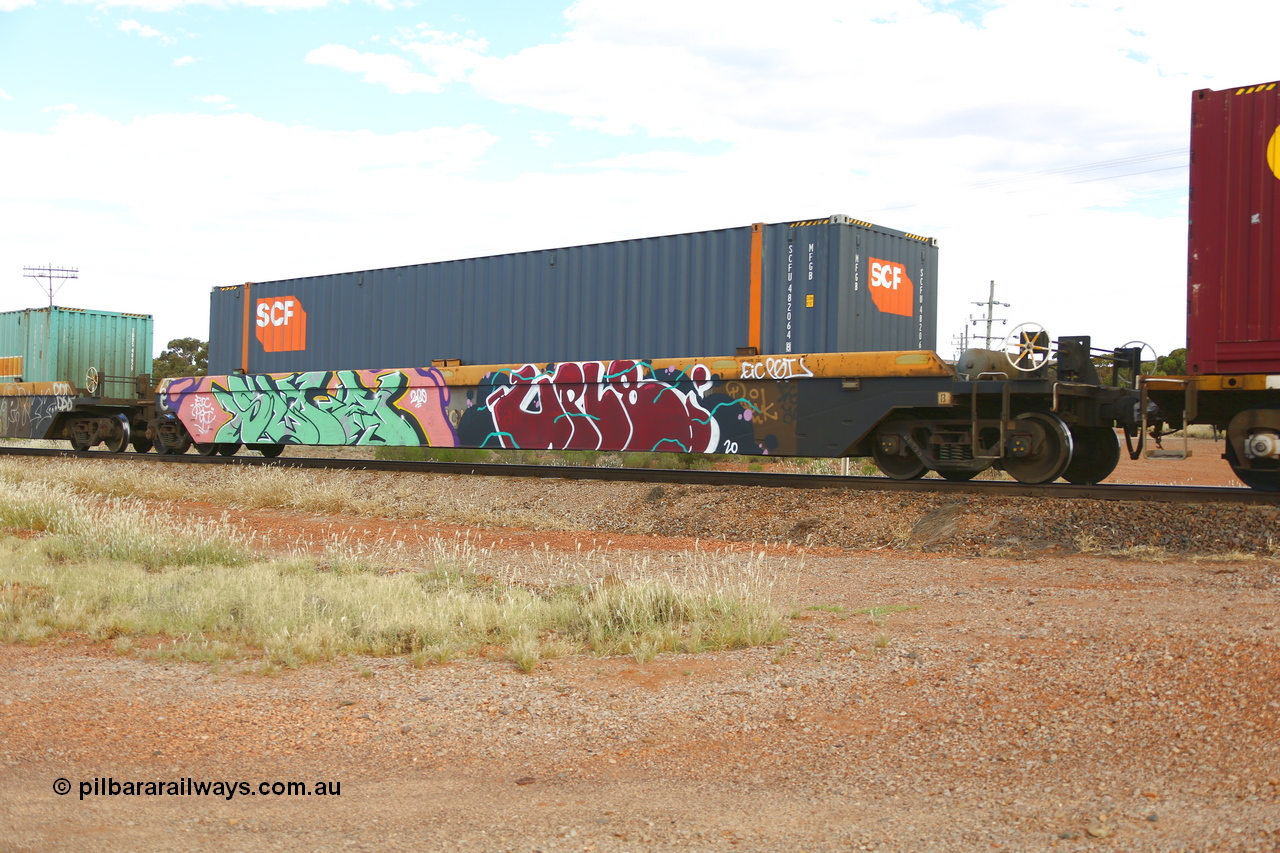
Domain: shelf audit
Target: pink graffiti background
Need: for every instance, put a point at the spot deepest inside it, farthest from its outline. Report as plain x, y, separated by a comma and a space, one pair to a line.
416, 397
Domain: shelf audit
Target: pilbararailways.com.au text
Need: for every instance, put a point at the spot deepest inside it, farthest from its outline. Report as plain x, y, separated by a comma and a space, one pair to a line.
188, 787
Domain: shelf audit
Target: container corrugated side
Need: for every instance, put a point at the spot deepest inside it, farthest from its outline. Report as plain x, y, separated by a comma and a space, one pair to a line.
1233, 282
61, 344
680, 295
843, 285
658, 295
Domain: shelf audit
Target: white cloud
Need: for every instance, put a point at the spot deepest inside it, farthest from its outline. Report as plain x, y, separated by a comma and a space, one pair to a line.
716, 71
183, 60
449, 56
5, 96
904, 112
130, 26
219, 199
170, 5
222, 102
158, 210
14, 5
394, 72
140, 161
656, 161
61, 108
908, 114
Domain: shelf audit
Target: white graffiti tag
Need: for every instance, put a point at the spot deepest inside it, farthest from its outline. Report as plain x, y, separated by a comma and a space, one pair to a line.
203, 411
776, 368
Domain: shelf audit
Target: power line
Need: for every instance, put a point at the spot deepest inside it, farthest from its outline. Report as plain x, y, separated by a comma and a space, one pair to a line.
1085, 167
994, 183
1127, 175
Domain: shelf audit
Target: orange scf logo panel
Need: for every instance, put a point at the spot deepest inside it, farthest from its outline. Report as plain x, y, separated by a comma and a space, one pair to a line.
891, 287
282, 324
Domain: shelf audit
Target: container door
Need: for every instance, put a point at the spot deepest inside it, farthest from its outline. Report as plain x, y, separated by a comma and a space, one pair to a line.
796, 310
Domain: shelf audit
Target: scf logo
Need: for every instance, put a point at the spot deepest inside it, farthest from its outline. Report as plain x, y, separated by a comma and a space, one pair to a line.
282, 324
891, 288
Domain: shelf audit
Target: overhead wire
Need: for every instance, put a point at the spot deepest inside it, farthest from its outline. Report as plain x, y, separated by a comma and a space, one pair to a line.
1086, 167
1082, 168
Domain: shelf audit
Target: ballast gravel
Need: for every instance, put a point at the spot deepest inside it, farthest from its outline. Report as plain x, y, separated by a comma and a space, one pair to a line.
962, 676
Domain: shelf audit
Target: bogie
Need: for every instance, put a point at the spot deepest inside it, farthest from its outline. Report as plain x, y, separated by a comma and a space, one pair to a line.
1253, 448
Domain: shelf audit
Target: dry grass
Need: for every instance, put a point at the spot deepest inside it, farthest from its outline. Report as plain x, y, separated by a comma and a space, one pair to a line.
323, 492
108, 570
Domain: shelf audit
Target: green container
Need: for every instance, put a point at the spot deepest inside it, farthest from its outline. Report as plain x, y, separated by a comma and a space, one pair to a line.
62, 344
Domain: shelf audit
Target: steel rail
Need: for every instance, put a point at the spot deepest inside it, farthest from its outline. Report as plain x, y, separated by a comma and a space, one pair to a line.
995, 488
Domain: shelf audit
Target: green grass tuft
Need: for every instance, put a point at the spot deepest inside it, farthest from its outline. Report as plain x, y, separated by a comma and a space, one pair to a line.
110, 570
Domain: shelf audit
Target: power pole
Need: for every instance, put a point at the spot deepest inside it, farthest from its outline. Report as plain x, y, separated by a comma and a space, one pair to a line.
991, 310
46, 276
961, 341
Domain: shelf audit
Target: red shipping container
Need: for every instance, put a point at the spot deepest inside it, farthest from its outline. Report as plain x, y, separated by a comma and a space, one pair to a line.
1233, 283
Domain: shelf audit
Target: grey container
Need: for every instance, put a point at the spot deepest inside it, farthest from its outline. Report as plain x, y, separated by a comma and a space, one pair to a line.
801, 287
61, 344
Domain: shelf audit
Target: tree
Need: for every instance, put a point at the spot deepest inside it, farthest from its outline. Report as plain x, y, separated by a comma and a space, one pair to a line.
184, 357
1173, 364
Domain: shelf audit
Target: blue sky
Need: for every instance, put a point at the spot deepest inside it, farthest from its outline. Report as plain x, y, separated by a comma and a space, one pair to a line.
166, 147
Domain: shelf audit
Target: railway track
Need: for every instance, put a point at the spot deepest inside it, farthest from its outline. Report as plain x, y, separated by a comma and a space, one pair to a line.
995, 488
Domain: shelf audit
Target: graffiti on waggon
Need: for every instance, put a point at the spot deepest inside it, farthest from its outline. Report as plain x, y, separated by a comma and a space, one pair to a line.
621, 405
615, 405
27, 409
338, 407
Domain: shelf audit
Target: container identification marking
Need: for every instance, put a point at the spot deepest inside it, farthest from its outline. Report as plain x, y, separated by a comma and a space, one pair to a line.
791, 260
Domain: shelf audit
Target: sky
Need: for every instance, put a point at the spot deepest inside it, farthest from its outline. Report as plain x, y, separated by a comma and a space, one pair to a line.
167, 147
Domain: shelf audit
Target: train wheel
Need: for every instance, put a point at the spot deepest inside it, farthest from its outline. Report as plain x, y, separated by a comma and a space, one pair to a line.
1253, 448
141, 444
892, 456
206, 449
229, 448
79, 445
1095, 454
183, 445
1263, 481
271, 451
121, 432
1045, 463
